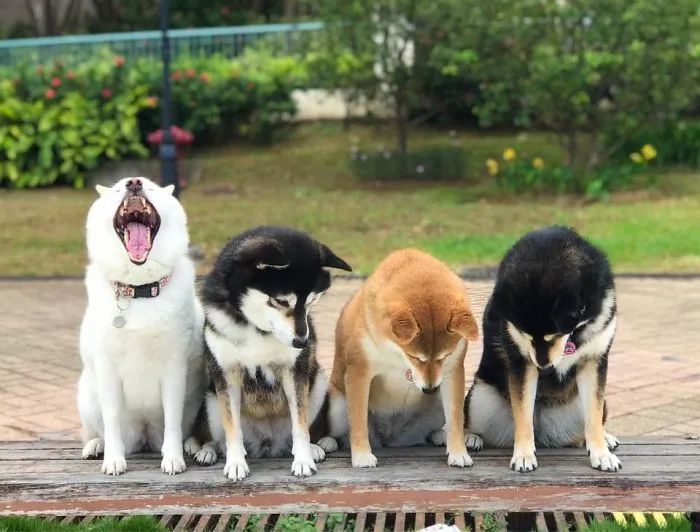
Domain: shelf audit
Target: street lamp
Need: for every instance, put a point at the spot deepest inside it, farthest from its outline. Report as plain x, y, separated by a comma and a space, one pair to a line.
168, 165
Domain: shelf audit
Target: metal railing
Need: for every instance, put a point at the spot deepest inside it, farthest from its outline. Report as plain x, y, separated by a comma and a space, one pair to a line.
229, 41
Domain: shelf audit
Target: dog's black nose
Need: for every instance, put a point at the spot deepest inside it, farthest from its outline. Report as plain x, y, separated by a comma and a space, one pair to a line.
430, 389
299, 342
133, 185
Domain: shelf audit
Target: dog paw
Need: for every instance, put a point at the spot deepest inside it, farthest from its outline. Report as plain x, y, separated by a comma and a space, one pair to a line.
438, 438
93, 448
523, 461
304, 464
114, 465
191, 446
317, 452
604, 460
612, 441
364, 460
172, 464
473, 442
328, 444
236, 467
459, 459
206, 455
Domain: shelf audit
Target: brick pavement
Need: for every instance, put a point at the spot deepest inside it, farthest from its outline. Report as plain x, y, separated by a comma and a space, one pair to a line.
653, 384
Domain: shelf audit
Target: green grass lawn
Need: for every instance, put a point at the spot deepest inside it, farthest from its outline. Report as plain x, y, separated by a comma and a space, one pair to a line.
304, 182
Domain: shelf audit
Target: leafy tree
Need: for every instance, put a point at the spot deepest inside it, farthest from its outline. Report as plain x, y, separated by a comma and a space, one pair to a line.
593, 71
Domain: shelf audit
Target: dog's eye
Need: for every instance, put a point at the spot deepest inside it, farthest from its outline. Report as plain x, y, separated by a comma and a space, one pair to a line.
279, 303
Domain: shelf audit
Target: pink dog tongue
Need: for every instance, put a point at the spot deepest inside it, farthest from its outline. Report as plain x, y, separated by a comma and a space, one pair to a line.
139, 243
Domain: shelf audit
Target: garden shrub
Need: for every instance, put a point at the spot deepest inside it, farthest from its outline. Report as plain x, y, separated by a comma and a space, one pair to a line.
434, 163
676, 143
64, 117
518, 172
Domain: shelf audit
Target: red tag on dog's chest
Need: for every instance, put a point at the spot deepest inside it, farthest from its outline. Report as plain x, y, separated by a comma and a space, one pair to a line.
569, 348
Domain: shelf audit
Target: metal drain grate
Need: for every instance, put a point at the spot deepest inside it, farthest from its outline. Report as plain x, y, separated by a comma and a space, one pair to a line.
389, 521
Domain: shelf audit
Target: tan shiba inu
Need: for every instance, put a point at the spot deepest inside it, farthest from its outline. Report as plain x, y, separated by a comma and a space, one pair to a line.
402, 337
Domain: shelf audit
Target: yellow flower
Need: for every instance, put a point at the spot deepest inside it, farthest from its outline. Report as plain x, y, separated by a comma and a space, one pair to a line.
538, 163
636, 158
648, 152
492, 166
509, 154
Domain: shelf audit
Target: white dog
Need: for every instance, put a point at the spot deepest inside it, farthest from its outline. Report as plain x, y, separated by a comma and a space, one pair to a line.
141, 337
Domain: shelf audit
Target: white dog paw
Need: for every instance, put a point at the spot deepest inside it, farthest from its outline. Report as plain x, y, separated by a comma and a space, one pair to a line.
317, 452
172, 464
604, 460
192, 446
523, 461
459, 459
93, 448
114, 465
303, 466
473, 442
206, 455
364, 460
236, 467
328, 444
612, 441
438, 437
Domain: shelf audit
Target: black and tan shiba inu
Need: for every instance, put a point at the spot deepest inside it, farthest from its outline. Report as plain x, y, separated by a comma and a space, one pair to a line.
548, 328
267, 394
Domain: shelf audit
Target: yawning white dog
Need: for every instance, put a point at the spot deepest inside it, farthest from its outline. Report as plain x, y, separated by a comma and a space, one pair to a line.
141, 337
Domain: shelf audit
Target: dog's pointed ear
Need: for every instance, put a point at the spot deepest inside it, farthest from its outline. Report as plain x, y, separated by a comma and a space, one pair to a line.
403, 323
331, 260
263, 253
102, 190
462, 322
169, 189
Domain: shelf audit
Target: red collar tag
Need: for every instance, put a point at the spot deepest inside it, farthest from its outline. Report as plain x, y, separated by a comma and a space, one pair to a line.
569, 348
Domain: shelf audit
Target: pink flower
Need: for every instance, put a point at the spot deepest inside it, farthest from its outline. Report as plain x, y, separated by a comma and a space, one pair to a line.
152, 101
205, 77
191, 72
50, 94
119, 61
106, 93
56, 82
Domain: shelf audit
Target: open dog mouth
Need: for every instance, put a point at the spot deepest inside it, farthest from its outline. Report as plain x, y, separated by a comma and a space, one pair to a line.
136, 222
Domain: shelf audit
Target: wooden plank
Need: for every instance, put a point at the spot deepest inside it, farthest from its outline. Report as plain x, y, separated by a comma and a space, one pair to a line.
399, 522
561, 522
183, 523
563, 480
420, 520
360, 521
541, 523
580, 520
459, 520
202, 523
379, 522
321, 521
223, 523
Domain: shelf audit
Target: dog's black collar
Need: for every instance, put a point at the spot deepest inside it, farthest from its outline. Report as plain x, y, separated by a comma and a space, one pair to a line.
141, 290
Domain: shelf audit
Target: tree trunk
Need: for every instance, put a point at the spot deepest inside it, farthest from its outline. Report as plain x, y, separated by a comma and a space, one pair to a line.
401, 123
289, 9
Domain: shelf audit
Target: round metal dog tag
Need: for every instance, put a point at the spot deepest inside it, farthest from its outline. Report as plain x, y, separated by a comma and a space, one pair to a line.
119, 322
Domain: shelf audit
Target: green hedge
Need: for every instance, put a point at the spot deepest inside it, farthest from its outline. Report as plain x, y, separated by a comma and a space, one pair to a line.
60, 119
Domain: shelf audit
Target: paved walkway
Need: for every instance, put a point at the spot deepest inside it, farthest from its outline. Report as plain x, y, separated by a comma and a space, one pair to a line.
653, 383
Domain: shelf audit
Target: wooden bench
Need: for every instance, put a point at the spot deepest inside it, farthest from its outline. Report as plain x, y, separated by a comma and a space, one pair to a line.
660, 474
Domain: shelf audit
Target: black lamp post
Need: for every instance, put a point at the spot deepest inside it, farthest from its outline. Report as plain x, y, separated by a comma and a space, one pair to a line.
168, 154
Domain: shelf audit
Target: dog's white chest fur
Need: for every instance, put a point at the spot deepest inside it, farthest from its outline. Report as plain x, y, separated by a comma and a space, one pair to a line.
235, 344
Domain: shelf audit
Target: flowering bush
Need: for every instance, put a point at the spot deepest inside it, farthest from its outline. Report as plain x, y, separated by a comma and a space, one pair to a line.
519, 173
62, 118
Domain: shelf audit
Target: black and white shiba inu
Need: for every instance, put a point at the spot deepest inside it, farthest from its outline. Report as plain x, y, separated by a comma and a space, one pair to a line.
267, 394
548, 328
